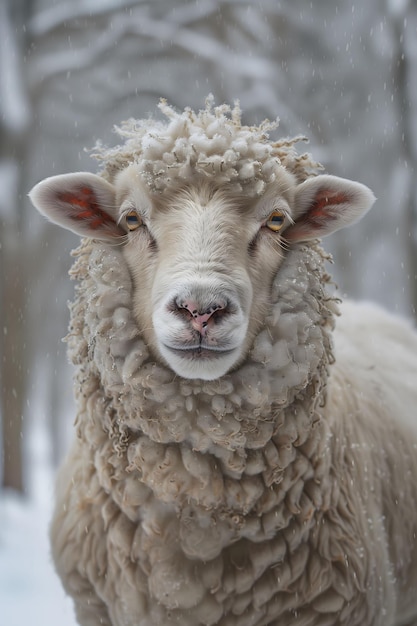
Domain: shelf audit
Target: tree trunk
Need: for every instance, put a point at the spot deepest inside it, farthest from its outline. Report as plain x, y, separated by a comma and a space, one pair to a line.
401, 76
14, 124
12, 368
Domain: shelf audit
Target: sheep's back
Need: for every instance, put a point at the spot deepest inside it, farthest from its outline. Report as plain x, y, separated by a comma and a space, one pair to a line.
372, 409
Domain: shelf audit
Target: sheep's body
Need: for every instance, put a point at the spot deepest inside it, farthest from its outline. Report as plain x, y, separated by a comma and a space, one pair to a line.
282, 491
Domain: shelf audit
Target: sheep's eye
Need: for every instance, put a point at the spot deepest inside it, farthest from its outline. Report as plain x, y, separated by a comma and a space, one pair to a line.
275, 221
133, 221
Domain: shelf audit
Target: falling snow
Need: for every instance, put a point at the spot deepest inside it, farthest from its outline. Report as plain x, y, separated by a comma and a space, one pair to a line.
342, 73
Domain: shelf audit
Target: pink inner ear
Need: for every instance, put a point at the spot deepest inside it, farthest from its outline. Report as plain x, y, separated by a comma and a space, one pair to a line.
319, 212
85, 208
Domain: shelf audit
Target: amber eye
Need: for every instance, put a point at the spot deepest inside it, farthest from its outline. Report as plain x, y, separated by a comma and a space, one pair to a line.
275, 221
133, 221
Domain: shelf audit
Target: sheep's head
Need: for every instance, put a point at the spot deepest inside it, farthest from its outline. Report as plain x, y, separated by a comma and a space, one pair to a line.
202, 253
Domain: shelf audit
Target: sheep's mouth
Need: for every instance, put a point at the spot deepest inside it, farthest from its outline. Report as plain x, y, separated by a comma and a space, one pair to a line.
199, 360
199, 352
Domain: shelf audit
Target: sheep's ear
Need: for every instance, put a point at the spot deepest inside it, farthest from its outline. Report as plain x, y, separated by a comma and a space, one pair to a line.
81, 202
324, 204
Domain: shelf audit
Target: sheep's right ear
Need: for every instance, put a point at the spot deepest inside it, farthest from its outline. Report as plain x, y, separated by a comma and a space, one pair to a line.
324, 204
81, 202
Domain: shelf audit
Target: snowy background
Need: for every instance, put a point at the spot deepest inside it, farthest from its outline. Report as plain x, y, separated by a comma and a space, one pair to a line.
343, 73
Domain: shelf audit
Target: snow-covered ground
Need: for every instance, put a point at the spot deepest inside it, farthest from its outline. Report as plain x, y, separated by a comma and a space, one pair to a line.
30, 591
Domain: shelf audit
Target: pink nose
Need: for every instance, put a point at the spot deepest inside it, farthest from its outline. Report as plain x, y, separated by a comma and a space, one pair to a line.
200, 319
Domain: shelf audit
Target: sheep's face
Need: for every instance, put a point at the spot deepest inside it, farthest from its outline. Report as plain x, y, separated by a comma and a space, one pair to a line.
202, 262
202, 259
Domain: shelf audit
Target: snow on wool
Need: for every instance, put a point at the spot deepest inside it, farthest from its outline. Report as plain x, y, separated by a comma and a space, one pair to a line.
245, 456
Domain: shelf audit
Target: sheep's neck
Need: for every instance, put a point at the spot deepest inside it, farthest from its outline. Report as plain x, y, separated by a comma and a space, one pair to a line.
213, 498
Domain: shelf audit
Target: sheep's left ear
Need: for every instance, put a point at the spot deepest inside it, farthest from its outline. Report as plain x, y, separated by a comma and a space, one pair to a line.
82, 202
324, 204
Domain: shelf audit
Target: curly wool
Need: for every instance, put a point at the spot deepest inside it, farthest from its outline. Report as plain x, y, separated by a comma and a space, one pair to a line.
212, 143
220, 462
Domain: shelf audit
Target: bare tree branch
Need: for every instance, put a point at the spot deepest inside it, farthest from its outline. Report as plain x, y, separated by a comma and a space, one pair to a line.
43, 23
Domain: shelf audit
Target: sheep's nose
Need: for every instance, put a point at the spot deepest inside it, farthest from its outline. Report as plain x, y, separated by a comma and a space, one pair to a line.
199, 319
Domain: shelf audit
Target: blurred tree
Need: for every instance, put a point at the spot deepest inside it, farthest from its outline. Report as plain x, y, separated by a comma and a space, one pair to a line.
402, 72
14, 123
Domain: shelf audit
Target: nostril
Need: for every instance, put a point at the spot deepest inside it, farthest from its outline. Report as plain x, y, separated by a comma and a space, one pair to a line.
217, 314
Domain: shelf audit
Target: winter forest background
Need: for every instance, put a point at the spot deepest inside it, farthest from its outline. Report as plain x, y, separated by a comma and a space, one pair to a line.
341, 72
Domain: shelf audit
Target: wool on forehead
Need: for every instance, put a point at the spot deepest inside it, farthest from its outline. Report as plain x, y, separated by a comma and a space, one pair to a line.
212, 144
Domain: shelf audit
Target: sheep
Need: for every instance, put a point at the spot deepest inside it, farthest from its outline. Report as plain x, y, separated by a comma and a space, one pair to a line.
246, 444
